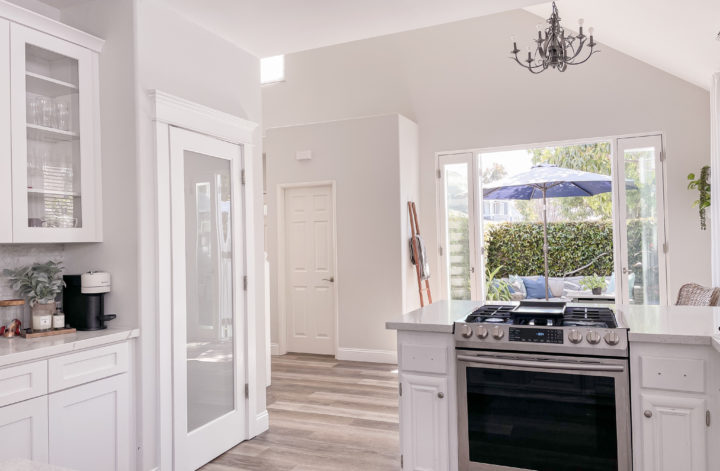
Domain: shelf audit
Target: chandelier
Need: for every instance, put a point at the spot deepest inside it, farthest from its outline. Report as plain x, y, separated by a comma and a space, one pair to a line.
556, 49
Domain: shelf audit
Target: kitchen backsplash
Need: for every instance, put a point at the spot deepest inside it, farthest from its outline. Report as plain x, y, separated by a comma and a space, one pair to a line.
13, 256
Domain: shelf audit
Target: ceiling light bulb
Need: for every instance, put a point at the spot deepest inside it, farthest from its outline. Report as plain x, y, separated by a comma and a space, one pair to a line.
512, 39
581, 21
591, 30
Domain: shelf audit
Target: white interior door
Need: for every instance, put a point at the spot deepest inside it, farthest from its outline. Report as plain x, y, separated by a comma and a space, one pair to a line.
309, 269
209, 364
458, 196
641, 221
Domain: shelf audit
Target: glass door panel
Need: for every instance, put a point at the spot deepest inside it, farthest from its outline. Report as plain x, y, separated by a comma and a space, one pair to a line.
458, 226
641, 221
208, 261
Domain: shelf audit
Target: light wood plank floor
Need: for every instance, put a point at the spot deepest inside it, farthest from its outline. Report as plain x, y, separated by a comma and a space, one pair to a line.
324, 415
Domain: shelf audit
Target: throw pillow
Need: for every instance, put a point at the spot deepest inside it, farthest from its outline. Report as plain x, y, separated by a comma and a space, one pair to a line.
556, 286
535, 287
518, 286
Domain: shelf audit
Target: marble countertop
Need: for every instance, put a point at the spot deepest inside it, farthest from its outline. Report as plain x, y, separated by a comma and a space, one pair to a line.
436, 317
657, 324
17, 349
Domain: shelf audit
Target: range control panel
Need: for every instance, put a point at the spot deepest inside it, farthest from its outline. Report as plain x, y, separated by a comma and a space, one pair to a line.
532, 335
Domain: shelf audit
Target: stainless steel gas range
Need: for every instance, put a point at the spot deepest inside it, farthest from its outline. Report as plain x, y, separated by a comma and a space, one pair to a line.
543, 386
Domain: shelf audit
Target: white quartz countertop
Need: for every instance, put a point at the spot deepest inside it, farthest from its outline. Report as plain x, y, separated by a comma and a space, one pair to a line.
17, 349
671, 324
436, 317
657, 324
25, 465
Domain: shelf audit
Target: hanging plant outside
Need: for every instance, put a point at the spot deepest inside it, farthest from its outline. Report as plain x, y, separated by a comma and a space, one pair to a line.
702, 184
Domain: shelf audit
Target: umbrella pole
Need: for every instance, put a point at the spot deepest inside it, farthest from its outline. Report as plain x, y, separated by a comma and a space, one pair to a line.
545, 240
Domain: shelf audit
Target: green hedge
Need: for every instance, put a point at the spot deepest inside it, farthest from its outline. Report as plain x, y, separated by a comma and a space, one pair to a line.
518, 248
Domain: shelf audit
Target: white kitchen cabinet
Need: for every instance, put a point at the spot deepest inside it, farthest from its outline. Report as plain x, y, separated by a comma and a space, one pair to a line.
50, 181
674, 432
89, 426
425, 414
23, 430
674, 399
427, 387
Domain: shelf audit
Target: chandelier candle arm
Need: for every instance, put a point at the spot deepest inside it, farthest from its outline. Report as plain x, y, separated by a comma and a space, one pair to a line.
556, 49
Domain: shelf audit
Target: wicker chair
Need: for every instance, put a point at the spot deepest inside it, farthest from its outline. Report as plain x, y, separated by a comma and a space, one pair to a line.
692, 294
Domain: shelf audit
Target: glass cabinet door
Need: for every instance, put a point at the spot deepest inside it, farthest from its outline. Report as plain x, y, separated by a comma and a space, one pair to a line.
53, 139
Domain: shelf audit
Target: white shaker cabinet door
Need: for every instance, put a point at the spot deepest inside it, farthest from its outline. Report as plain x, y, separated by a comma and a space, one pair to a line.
424, 410
89, 426
5, 141
673, 433
23, 430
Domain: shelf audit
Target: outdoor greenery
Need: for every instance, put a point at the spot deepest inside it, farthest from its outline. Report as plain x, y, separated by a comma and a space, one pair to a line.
459, 253
496, 290
593, 281
39, 283
702, 185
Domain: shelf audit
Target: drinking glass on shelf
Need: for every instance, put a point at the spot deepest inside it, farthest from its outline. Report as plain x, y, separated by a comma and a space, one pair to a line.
47, 111
33, 109
62, 115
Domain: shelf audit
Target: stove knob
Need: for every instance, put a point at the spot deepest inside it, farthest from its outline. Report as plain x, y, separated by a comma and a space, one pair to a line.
575, 336
612, 338
593, 337
467, 331
482, 332
498, 333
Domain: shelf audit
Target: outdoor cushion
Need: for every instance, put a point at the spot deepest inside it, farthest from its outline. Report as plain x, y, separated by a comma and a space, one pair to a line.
556, 286
535, 287
610, 283
518, 286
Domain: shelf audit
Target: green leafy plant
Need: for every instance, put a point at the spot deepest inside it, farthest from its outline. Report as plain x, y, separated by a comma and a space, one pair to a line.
39, 283
497, 290
593, 282
702, 185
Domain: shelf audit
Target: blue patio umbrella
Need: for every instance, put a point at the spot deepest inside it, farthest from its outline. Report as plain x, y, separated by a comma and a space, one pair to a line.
549, 181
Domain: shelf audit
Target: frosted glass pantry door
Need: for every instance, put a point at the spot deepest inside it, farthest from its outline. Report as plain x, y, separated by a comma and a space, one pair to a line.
55, 140
208, 318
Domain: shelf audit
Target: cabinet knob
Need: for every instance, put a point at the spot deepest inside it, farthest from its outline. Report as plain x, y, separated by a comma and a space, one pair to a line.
647, 413
441, 395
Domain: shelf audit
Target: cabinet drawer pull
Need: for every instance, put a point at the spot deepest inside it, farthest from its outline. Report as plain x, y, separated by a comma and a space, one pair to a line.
441, 395
647, 413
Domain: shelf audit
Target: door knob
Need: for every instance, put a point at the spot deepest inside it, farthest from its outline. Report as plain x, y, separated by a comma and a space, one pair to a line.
647, 413
441, 395
331, 279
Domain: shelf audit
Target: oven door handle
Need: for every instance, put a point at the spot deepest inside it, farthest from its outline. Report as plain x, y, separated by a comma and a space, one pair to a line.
555, 365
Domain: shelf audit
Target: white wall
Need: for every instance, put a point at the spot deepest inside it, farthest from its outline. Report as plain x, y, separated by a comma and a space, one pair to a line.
457, 83
177, 57
118, 254
363, 156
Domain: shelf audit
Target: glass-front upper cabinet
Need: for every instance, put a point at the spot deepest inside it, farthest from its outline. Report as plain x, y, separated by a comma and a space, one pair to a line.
55, 139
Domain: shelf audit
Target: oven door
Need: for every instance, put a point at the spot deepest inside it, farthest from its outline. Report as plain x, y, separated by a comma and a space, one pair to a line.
542, 412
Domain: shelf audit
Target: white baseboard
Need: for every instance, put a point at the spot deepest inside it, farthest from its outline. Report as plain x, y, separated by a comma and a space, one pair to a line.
262, 423
361, 354
274, 349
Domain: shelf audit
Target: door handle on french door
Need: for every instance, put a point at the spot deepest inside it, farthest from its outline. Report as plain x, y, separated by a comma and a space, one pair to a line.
331, 279
626, 271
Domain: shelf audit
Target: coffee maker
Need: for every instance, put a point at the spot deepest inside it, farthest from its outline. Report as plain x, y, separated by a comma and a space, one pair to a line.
84, 302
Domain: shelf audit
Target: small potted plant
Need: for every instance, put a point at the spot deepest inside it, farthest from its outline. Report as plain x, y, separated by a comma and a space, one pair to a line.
594, 283
39, 284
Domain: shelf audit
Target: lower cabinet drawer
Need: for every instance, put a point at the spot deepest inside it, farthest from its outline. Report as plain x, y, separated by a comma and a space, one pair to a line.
89, 365
18, 383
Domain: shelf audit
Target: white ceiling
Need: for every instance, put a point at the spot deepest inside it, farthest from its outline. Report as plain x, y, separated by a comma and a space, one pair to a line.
270, 27
675, 36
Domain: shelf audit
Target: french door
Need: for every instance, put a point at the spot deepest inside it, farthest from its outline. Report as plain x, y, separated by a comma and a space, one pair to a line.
209, 410
640, 221
461, 226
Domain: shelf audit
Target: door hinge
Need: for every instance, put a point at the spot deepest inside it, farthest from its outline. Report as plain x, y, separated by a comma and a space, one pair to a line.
245, 282
440, 250
665, 247
400, 389
438, 172
662, 156
402, 461
242, 176
247, 390
707, 418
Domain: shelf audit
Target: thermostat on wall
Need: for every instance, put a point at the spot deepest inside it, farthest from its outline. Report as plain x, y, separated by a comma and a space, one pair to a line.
303, 155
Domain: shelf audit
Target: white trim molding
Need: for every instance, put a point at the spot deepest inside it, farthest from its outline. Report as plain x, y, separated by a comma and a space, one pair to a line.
179, 112
49, 26
275, 349
715, 177
362, 354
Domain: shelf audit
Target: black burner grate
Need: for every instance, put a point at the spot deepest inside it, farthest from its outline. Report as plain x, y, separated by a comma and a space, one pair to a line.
491, 313
576, 315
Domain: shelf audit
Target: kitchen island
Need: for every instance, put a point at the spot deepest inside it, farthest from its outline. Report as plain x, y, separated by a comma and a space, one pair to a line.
674, 385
